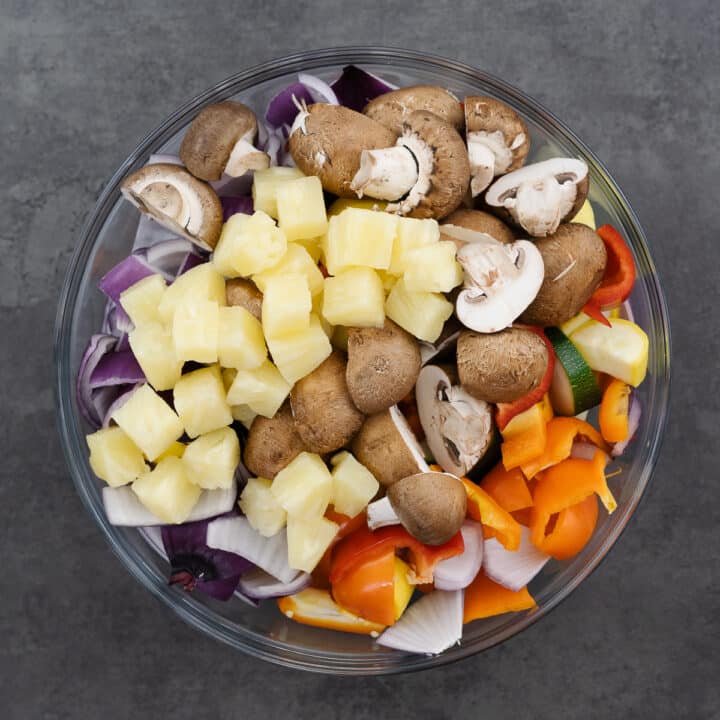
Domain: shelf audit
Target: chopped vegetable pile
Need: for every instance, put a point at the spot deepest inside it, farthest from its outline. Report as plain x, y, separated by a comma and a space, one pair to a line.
347, 362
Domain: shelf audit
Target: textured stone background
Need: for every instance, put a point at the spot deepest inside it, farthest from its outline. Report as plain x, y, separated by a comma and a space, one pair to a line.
82, 82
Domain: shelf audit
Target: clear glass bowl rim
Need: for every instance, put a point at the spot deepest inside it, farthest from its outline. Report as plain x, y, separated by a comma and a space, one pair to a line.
202, 618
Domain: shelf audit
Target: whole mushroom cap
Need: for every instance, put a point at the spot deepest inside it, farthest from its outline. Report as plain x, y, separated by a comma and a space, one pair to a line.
392, 108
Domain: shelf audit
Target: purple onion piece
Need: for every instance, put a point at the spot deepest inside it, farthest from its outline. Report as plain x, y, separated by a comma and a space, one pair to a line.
103, 398
116, 368
125, 274
234, 205
118, 402
191, 260
282, 108
634, 415
98, 346
356, 87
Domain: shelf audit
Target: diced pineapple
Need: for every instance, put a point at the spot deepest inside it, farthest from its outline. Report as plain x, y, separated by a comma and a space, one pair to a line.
167, 492
301, 208
360, 237
308, 539
141, 301
286, 305
304, 487
365, 203
248, 245
355, 297
211, 460
411, 233
265, 185
317, 306
114, 457
244, 414
297, 260
201, 283
195, 331
149, 422
241, 344
354, 486
263, 389
339, 338
388, 281
433, 268
299, 354
199, 398
422, 314
153, 347
313, 247
261, 508
177, 449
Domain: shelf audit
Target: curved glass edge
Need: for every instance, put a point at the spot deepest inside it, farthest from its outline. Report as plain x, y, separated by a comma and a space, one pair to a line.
201, 617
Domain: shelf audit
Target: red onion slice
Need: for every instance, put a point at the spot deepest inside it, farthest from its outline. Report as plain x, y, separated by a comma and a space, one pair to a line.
98, 346
125, 274
321, 92
634, 415
356, 87
118, 402
458, 572
116, 368
282, 108
513, 569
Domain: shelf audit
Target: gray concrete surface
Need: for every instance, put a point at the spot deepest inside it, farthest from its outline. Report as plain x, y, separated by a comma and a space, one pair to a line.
82, 82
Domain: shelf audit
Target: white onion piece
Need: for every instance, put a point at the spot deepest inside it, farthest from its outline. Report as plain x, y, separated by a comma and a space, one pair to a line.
236, 535
168, 255
458, 572
626, 312
319, 89
381, 513
634, 414
260, 585
513, 569
429, 626
123, 508
157, 158
150, 232
585, 451
153, 536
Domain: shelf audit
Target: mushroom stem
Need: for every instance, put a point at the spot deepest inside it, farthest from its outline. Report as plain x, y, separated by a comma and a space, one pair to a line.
387, 174
542, 205
245, 156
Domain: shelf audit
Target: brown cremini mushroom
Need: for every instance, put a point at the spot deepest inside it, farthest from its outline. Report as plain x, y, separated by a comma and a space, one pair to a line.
243, 292
383, 364
177, 200
503, 366
325, 416
498, 140
574, 257
392, 108
220, 140
477, 221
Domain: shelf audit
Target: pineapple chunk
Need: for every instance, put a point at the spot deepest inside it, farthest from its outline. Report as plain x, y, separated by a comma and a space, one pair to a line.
195, 331
355, 297
265, 185
248, 245
263, 389
199, 398
149, 422
166, 491
177, 449
297, 260
304, 487
317, 306
433, 268
241, 344
313, 247
388, 281
201, 283
299, 354
211, 460
366, 204
261, 508
301, 208
354, 486
422, 314
360, 237
286, 305
153, 348
412, 233
142, 300
308, 539
114, 457
244, 414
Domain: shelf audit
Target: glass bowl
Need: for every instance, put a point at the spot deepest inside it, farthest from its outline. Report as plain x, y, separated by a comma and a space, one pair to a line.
264, 632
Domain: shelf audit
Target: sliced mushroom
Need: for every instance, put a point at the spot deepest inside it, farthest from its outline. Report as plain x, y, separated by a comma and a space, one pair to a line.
431, 505
272, 443
325, 416
327, 141
540, 196
392, 108
242, 292
477, 221
574, 257
426, 173
387, 447
177, 200
458, 428
498, 140
503, 366
220, 140
383, 364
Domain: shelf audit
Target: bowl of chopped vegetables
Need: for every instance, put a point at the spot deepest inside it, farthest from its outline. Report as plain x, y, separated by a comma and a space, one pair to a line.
362, 362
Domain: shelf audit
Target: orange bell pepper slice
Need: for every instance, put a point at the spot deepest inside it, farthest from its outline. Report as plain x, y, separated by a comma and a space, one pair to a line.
573, 528
524, 447
316, 607
485, 598
508, 488
614, 409
483, 508
346, 525
564, 485
523, 516
561, 432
